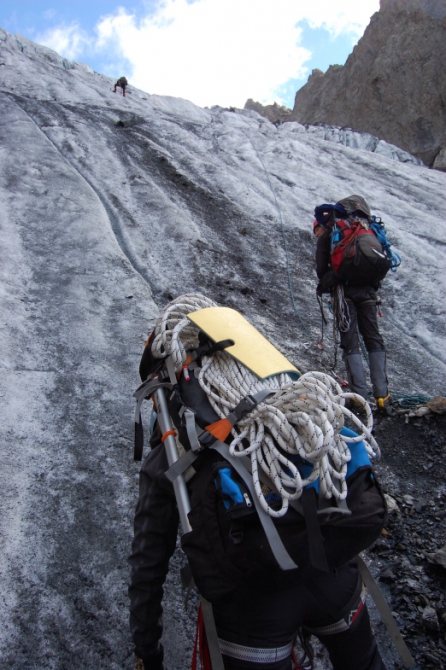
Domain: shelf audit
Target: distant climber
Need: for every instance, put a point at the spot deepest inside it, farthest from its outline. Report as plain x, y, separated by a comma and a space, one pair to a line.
122, 83
338, 228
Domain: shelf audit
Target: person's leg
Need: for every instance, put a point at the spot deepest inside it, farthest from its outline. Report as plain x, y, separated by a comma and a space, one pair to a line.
374, 343
337, 616
257, 627
378, 373
355, 648
351, 354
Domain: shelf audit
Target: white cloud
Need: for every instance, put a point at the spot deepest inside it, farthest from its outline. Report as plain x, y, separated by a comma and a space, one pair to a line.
210, 51
341, 16
216, 51
69, 41
224, 51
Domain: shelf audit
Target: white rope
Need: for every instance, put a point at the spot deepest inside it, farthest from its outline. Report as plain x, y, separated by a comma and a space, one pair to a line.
303, 418
174, 333
341, 309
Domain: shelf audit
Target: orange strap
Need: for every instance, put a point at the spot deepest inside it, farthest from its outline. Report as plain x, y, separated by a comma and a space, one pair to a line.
220, 429
166, 434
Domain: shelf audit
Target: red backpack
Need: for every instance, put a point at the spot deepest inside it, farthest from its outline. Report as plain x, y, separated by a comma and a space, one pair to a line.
357, 256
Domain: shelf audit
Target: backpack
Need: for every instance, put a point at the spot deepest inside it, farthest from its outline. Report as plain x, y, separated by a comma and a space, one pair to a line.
232, 535
360, 252
356, 254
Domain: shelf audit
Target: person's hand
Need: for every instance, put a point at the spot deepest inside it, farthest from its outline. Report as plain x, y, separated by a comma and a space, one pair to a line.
151, 661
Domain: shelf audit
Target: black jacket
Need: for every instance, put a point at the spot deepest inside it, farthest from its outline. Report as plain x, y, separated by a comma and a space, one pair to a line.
155, 533
325, 273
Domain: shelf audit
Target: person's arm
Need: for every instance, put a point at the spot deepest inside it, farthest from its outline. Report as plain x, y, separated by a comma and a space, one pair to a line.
156, 526
326, 274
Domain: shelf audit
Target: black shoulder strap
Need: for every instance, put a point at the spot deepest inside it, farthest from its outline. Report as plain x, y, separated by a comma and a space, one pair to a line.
146, 389
315, 540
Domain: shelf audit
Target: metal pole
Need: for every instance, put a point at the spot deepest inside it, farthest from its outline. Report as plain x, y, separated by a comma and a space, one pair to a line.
183, 503
179, 485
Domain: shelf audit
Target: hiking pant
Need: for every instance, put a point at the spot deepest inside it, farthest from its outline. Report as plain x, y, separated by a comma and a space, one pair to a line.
361, 301
258, 626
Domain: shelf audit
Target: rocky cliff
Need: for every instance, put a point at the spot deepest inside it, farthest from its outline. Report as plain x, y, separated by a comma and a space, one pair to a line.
274, 113
392, 85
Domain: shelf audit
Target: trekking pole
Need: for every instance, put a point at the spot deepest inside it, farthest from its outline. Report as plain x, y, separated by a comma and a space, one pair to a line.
183, 503
179, 485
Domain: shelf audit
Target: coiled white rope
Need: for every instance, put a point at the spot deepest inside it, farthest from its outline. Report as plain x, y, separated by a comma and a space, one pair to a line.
341, 309
303, 418
174, 333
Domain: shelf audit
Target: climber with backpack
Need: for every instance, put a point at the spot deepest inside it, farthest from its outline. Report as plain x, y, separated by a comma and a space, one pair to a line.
352, 258
122, 83
275, 496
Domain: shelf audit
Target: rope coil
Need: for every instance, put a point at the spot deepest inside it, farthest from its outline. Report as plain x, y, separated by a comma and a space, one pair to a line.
302, 420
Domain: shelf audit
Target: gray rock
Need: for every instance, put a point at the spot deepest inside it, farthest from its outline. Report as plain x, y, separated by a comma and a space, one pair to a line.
438, 557
274, 113
392, 505
437, 404
430, 619
440, 161
392, 85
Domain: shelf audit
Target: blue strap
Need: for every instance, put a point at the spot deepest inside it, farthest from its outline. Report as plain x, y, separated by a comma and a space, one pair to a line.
229, 488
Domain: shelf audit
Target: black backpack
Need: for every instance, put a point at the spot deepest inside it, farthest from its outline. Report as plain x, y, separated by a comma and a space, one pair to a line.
360, 252
231, 538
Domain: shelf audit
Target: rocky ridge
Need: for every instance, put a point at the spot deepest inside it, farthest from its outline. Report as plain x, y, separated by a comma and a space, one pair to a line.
393, 83
274, 113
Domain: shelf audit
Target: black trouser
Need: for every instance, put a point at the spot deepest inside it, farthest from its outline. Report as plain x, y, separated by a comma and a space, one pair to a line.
262, 623
361, 302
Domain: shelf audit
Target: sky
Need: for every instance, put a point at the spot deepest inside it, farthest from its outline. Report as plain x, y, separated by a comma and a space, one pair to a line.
212, 52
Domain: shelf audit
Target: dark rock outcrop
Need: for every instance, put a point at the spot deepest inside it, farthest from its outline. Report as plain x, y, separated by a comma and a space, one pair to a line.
393, 85
274, 113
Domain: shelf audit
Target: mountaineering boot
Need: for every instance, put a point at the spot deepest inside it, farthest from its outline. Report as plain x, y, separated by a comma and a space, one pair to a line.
377, 365
384, 405
356, 407
356, 375
152, 662
378, 375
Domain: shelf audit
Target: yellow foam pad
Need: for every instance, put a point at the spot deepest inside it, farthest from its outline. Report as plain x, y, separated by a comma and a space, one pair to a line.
251, 349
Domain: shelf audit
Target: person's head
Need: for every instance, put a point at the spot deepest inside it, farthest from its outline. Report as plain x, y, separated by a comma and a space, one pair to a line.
318, 229
355, 204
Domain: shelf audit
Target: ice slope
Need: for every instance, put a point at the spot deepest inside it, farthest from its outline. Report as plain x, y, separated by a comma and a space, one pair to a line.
366, 141
109, 207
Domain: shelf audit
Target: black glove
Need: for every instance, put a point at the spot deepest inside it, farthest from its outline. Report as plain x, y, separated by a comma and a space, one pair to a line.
154, 661
327, 283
